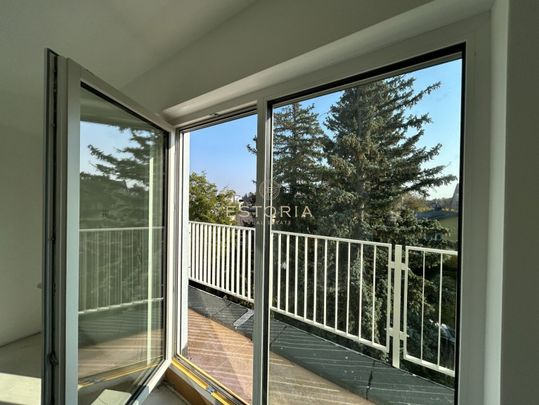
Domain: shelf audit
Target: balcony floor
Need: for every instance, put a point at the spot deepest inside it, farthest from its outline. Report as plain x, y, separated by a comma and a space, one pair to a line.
304, 368
227, 356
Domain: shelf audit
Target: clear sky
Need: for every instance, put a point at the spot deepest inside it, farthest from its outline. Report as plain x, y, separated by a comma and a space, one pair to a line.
221, 150
105, 137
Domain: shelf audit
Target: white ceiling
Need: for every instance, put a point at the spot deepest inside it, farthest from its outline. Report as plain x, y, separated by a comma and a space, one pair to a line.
165, 52
115, 39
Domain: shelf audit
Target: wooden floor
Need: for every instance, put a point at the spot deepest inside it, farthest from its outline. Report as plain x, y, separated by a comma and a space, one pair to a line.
228, 357
115, 354
304, 367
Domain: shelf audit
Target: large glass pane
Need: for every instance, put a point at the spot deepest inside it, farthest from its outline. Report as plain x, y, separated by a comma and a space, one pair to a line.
122, 228
221, 278
365, 221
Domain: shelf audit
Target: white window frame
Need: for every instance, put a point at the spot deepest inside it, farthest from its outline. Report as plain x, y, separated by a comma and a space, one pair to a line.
477, 181
62, 228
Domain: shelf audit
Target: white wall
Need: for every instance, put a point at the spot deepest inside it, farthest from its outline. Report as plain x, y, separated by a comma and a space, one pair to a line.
494, 280
20, 216
520, 353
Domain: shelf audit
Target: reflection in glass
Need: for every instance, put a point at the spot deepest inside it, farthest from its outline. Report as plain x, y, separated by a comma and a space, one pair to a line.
367, 181
121, 266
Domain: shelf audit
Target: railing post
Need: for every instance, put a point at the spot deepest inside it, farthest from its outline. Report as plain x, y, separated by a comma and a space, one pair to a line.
396, 329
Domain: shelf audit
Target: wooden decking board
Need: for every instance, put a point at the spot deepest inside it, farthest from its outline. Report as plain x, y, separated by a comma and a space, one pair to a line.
327, 361
223, 354
228, 357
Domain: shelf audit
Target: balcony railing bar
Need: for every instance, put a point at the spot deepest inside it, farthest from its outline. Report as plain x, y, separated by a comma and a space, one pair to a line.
325, 279
348, 289
114, 262
296, 251
361, 293
344, 240
337, 285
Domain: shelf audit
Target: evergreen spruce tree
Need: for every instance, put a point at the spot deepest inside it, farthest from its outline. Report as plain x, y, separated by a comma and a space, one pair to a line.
298, 141
375, 161
376, 170
117, 193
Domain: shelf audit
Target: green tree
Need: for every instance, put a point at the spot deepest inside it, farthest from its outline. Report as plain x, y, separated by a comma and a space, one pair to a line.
298, 153
208, 204
377, 173
375, 163
116, 194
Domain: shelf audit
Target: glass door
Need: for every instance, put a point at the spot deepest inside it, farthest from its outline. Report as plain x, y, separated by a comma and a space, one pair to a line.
365, 242
219, 166
111, 180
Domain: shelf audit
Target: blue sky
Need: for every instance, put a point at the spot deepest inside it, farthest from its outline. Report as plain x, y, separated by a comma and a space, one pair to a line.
221, 151
106, 137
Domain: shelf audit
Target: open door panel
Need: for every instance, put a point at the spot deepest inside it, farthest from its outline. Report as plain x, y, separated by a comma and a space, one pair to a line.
109, 204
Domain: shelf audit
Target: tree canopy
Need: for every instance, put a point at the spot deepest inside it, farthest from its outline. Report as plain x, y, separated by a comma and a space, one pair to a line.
208, 204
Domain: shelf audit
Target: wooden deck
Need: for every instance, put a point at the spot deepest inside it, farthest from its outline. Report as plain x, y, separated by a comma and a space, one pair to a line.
228, 357
304, 368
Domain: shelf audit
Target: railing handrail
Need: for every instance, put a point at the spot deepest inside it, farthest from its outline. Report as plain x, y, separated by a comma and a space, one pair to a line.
332, 238
223, 225
131, 228
335, 238
431, 250
118, 306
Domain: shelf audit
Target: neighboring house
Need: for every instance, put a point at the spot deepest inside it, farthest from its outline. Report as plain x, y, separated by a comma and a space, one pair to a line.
447, 218
454, 205
446, 213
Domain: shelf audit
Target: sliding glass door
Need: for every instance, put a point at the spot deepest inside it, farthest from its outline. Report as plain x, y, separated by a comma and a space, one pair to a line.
111, 161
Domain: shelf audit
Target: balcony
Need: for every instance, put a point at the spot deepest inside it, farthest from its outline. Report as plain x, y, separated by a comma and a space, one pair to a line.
346, 324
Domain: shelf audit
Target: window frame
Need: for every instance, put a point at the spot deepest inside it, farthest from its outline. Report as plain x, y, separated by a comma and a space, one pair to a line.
65, 79
439, 56
470, 37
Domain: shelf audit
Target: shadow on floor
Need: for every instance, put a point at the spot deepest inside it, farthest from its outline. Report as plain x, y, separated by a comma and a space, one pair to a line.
362, 375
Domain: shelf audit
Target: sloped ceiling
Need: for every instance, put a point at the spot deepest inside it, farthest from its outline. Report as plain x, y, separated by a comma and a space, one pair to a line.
116, 39
165, 52
263, 35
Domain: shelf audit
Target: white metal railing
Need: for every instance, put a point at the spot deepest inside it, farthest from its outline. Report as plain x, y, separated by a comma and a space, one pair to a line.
222, 258
439, 257
327, 264
114, 267
348, 287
